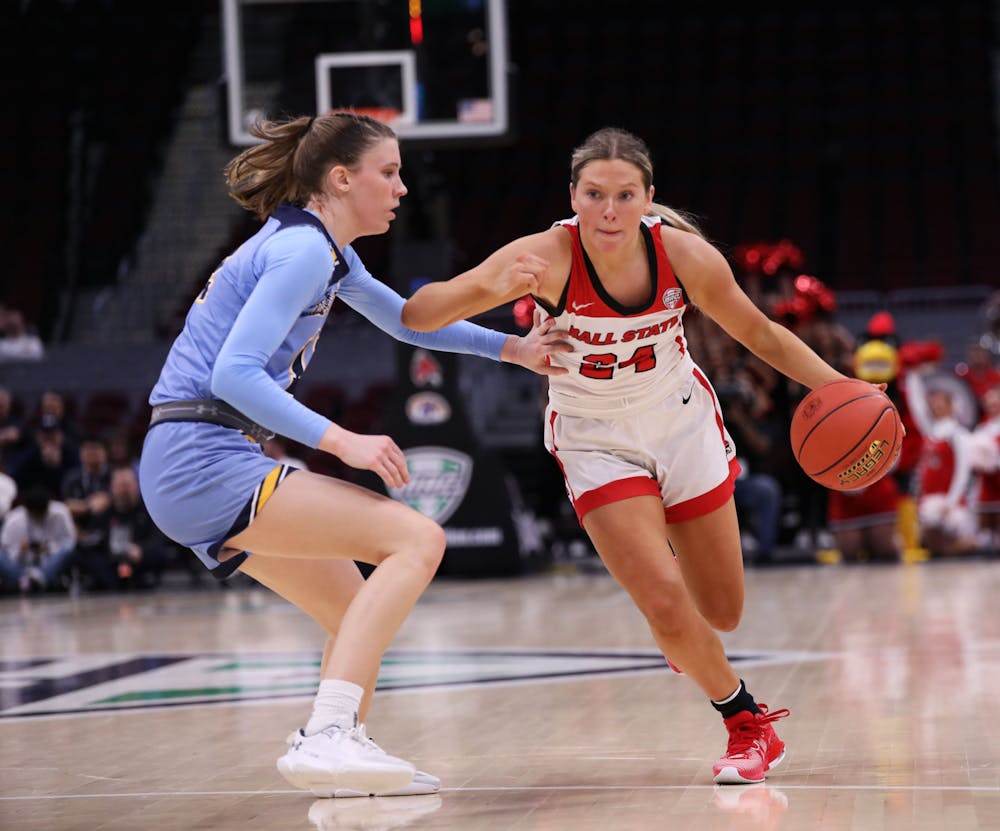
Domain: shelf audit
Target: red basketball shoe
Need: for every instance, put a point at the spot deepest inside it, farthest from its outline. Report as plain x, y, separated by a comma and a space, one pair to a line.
754, 748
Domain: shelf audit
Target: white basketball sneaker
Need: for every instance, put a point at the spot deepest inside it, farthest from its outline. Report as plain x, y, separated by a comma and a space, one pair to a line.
422, 783
339, 758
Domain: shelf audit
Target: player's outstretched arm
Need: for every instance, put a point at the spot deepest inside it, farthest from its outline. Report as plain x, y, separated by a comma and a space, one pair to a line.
517, 269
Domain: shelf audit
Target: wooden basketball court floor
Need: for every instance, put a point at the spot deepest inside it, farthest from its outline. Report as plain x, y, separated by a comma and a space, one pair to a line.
539, 701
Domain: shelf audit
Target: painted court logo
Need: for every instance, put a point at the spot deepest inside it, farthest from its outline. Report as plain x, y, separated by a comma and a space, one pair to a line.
439, 480
105, 682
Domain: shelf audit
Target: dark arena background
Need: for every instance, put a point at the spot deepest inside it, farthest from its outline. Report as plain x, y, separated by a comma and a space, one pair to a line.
844, 157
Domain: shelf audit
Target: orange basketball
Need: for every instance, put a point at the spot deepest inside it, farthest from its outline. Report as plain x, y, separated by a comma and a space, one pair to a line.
846, 434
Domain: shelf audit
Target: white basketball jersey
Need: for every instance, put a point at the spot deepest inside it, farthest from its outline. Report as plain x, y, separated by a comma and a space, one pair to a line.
625, 357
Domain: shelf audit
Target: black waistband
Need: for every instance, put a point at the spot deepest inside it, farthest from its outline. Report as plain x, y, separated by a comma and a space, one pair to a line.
213, 411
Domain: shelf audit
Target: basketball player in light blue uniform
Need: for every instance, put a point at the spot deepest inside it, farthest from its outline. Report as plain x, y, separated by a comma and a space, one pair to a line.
248, 336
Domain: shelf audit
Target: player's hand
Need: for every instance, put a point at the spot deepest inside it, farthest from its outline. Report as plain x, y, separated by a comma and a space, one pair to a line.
379, 454
520, 277
535, 350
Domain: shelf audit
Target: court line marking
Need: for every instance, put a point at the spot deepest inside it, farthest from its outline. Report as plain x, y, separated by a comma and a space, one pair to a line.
512, 788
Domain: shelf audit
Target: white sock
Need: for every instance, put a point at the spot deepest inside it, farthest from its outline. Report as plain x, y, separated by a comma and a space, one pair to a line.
337, 702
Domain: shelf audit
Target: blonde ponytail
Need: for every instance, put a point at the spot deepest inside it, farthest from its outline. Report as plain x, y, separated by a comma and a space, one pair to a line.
676, 219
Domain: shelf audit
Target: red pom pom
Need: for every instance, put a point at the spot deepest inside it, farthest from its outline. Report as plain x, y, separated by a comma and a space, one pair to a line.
881, 325
524, 310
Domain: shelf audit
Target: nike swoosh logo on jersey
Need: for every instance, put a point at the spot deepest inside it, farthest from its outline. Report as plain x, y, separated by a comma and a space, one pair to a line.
688, 396
578, 306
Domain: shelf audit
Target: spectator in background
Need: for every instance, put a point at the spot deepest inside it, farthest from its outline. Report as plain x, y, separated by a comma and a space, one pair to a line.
17, 341
122, 547
52, 405
978, 370
11, 428
8, 490
985, 452
47, 460
137, 547
943, 474
990, 338
121, 451
37, 541
758, 494
86, 490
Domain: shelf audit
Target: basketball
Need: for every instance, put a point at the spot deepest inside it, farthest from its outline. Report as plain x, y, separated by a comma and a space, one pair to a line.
846, 434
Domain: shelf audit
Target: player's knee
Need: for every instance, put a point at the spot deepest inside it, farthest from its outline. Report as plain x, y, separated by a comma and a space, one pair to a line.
428, 543
666, 609
724, 618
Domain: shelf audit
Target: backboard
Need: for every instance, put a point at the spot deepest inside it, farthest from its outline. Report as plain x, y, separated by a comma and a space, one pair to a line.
434, 69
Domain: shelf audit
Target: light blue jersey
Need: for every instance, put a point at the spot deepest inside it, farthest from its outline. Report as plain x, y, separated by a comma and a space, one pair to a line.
254, 327
249, 334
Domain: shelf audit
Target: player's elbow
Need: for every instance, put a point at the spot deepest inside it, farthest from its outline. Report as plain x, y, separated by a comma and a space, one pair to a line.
222, 380
416, 319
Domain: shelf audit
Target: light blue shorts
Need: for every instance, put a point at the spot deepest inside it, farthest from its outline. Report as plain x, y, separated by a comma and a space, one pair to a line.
203, 484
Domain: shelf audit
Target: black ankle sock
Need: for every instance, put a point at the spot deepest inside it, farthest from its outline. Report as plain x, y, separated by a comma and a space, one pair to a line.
739, 702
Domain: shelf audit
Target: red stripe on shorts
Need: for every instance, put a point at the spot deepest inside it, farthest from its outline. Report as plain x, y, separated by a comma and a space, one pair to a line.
718, 415
615, 492
699, 506
552, 428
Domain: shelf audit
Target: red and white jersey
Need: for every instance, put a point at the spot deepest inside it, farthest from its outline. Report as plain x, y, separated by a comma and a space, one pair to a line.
944, 460
984, 445
625, 357
985, 451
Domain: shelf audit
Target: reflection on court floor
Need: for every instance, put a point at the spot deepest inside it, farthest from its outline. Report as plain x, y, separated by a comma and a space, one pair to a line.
540, 702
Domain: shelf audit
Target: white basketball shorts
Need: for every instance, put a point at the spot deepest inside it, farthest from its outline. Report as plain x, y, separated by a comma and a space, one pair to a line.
676, 449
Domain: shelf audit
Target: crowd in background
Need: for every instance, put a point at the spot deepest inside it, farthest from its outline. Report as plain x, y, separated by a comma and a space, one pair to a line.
72, 515
942, 498
71, 505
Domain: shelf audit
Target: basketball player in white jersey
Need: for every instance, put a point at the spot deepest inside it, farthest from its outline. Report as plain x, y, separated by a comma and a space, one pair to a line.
634, 424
